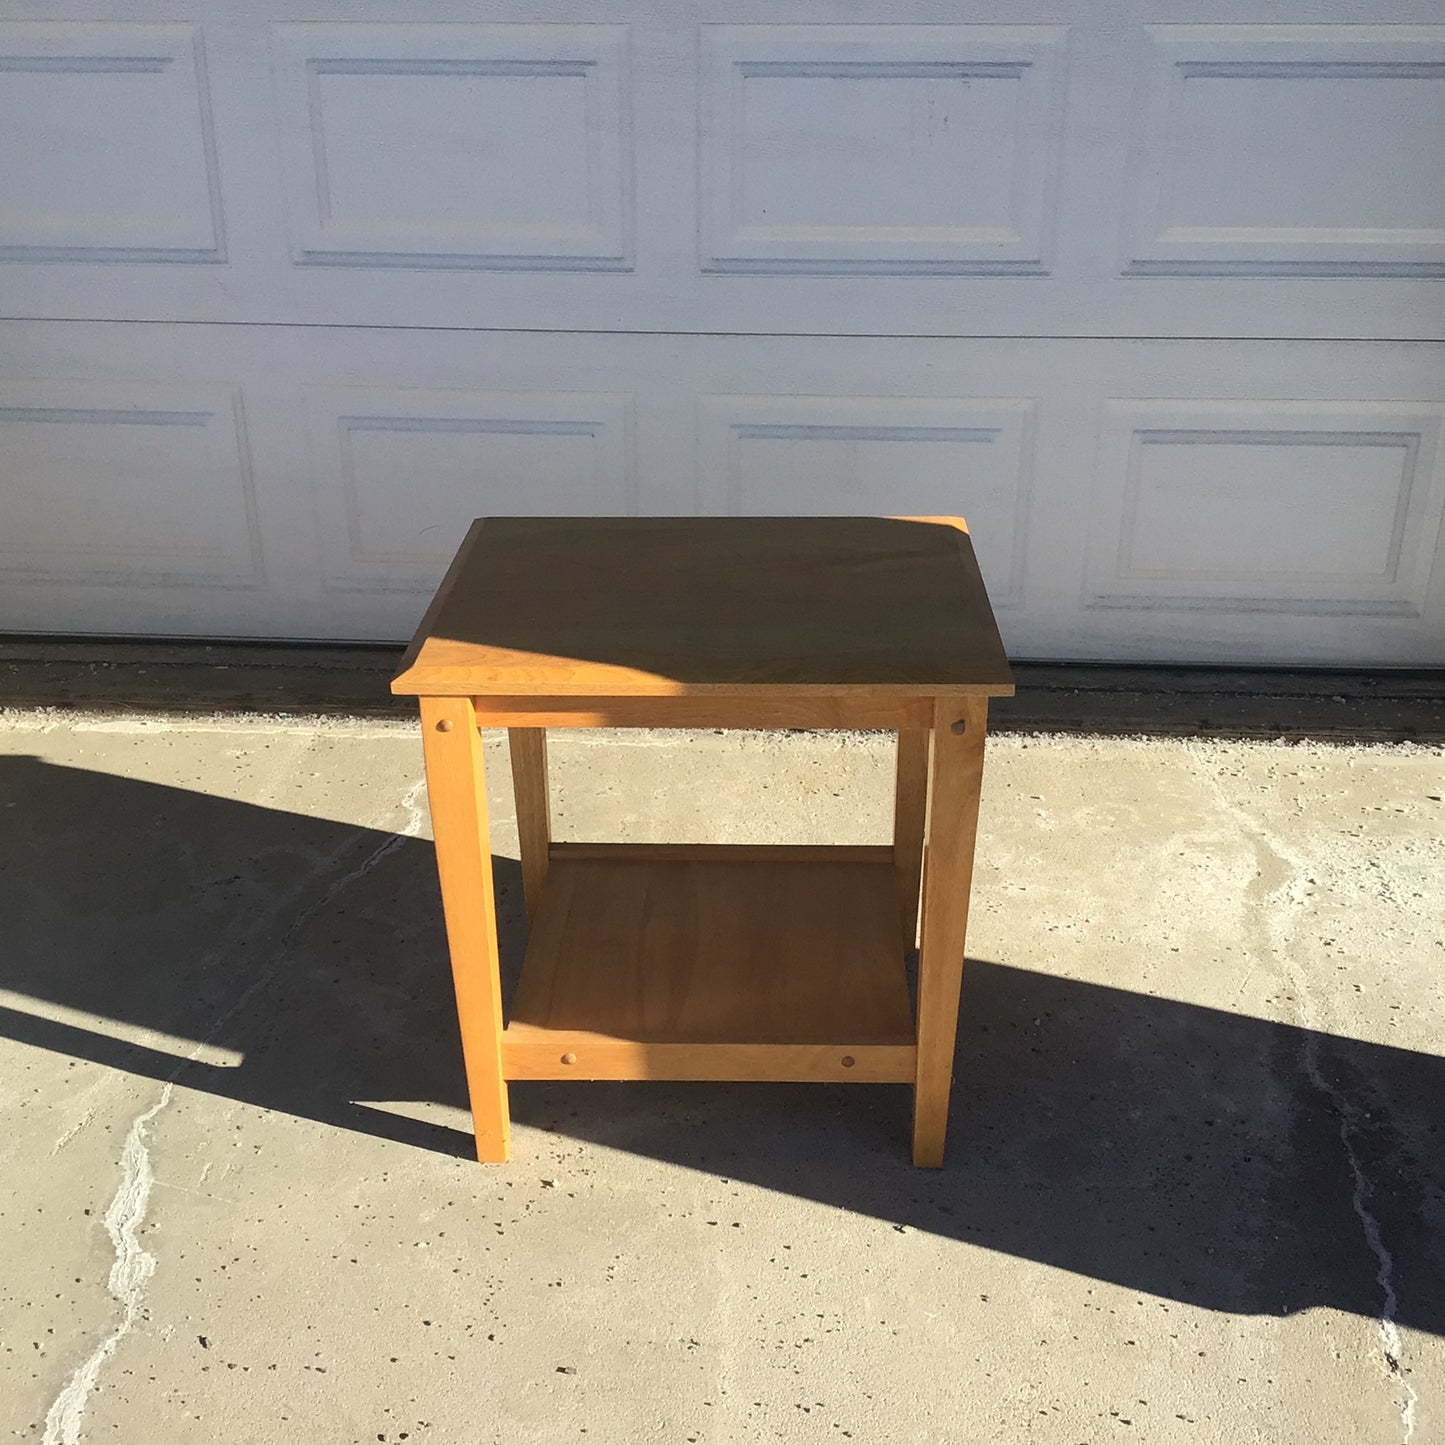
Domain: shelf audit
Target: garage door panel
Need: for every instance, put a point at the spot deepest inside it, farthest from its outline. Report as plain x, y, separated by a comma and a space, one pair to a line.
879, 150
108, 153
1246, 502
865, 456
1088, 176
141, 485
1321, 508
499, 147
1290, 151
399, 473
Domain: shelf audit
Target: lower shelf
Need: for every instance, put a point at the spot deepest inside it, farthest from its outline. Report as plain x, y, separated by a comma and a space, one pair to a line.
649, 965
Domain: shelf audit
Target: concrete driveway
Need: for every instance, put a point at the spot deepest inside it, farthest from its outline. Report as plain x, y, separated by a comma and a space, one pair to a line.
1196, 1178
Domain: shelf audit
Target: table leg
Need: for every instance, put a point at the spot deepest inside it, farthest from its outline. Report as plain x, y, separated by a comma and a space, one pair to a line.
959, 726
910, 807
456, 786
528, 747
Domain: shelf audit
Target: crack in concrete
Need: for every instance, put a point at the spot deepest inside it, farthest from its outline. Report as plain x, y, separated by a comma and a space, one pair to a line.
134, 1264
1296, 869
417, 812
133, 1267
72, 1131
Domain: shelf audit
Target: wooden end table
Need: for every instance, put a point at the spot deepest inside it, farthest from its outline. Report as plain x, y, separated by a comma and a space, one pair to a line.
710, 962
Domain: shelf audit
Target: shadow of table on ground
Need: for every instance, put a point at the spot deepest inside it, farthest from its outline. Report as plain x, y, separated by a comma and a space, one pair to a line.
1197, 1155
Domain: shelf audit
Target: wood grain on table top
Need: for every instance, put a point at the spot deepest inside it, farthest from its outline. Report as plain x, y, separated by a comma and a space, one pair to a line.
614, 606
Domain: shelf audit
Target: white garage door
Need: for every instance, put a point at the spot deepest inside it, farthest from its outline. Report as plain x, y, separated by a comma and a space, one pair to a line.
290, 294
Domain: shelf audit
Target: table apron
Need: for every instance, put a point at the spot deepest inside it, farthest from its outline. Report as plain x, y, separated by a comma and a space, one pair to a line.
755, 710
532, 1053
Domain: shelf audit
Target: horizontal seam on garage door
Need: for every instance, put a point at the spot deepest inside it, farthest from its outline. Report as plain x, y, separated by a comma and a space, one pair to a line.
1192, 338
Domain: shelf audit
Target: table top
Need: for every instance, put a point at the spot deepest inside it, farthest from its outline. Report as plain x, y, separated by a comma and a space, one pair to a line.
672, 606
